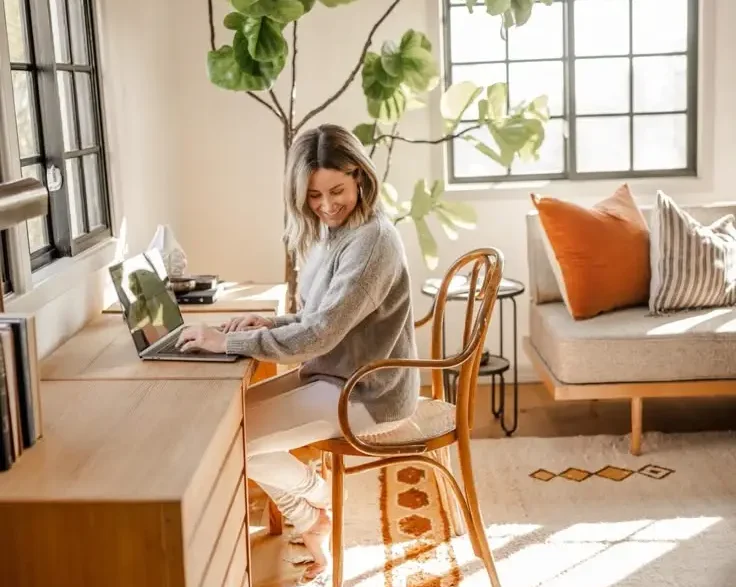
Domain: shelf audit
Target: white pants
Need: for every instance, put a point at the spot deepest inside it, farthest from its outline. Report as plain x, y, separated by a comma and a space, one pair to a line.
283, 413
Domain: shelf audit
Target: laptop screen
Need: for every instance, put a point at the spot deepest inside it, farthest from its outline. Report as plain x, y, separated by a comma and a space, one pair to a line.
149, 307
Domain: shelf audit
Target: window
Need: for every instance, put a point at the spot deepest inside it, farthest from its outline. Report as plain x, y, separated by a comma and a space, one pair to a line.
5, 263
620, 76
58, 114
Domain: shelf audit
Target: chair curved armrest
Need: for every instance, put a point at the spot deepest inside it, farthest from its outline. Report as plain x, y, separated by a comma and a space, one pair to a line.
375, 450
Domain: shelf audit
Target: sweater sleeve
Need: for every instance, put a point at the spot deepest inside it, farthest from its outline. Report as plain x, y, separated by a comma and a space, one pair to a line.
285, 319
359, 284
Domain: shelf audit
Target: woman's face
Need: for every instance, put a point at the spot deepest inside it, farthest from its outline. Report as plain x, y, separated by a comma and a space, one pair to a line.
332, 196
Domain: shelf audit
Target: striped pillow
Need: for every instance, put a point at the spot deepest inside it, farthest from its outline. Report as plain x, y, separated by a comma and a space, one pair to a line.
693, 266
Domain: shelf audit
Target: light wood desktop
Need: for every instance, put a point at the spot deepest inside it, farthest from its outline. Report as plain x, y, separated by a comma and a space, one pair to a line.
140, 476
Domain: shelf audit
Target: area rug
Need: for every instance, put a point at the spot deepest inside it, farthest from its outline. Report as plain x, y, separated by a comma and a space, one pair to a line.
559, 512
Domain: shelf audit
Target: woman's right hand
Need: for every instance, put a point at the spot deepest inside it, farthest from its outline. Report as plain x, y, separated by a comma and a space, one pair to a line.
246, 322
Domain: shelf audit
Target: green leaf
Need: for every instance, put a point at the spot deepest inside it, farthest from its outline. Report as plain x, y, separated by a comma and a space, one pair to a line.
427, 244
419, 68
456, 100
234, 21
522, 10
265, 40
307, 4
496, 7
421, 201
414, 39
334, 3
485, 149
470, 4
389, 110
391, 59
242, 5
232, 68
447, 224
365, 133
460, 214
497, 100
483, 109
438, 189
282, 11
261, 75
377, 83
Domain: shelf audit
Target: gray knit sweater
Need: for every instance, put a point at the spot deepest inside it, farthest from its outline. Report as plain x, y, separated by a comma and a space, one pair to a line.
356, 308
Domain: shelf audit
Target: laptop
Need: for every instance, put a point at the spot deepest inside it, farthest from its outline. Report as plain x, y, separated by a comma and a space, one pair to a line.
151, 313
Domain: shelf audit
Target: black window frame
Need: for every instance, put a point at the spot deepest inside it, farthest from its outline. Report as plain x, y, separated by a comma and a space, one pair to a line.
36, 21
569, 115
5, 276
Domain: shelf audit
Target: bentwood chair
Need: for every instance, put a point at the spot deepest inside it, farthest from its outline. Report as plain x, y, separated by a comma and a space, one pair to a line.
426, 437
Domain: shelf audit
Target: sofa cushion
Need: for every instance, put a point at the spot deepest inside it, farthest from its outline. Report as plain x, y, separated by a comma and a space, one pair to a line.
631, 345
693, 265
599, 254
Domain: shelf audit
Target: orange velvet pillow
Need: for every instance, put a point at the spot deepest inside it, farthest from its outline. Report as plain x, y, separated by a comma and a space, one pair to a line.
600, 255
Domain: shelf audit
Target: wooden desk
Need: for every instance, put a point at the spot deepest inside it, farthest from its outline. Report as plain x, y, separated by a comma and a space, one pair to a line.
236, 297
134, 483
104, 350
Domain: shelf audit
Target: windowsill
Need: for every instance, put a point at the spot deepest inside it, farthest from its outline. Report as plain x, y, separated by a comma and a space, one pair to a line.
593, 188
61, 276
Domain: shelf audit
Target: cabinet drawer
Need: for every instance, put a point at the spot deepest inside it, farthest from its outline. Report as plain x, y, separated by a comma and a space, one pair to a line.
225, 546
216, 511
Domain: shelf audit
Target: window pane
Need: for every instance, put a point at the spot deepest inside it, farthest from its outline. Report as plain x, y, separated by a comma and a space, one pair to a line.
92, 191
16, 31
660, 83
660, 27
74, 191
85, 108
469, 162
25, 114
475, 37
603, 144
540, 37
59, 31
38, 230
78, 31
481, 75
660, 141
601, 27
529, 80
69, 130
551, 153
601, 86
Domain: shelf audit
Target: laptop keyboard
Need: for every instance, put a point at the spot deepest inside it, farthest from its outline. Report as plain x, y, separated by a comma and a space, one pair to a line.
168, 347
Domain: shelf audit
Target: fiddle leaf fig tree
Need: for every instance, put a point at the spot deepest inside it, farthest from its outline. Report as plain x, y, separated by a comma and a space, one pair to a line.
395, 78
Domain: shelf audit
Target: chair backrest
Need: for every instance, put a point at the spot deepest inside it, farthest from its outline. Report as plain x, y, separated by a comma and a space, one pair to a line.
485, 271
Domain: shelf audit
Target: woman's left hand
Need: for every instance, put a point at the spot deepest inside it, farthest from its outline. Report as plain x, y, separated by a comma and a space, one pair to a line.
201, 337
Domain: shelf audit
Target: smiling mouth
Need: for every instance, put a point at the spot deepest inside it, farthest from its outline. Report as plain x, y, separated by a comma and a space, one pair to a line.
335, 213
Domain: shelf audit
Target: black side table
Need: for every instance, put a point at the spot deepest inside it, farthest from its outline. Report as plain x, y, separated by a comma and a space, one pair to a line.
492, 365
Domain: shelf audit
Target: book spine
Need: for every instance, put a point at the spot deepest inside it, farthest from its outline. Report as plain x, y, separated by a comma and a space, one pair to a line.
6, 440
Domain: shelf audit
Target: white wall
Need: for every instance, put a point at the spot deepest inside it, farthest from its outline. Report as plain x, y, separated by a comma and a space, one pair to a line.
210, 162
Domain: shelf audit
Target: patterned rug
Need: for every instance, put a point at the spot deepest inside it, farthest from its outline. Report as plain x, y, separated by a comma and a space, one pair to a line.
559, 512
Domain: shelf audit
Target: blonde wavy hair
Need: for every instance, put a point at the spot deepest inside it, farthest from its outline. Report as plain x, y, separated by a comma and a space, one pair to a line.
328, 146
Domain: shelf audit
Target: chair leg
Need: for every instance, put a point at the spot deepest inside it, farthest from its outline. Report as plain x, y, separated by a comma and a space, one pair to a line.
448, 501
275, 520
466, 469
338, 479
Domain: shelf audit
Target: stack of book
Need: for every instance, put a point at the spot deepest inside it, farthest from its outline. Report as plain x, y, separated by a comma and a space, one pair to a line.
20, 398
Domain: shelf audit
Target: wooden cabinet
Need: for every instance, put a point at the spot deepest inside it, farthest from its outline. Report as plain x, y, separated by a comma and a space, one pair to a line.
135, 483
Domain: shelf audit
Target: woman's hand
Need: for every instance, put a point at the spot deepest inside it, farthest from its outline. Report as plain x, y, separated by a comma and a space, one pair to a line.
201, 337
246, 322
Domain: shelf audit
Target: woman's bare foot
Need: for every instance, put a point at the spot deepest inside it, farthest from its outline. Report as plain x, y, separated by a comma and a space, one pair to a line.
316, 541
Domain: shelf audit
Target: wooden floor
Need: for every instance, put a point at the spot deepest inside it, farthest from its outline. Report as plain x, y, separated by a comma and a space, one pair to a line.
538, 416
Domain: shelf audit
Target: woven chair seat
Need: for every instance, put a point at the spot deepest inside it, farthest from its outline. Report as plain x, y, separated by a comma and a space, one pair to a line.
432, 419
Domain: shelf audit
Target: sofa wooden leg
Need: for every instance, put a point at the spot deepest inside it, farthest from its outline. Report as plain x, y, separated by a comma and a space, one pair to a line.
636, 409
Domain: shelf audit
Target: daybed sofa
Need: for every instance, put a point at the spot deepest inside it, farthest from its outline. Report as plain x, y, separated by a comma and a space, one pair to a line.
627, 353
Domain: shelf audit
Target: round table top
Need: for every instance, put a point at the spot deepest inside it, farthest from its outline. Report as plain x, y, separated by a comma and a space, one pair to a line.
509, 288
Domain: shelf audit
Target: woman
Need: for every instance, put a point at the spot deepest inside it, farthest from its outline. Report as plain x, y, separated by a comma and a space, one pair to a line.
356, 308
